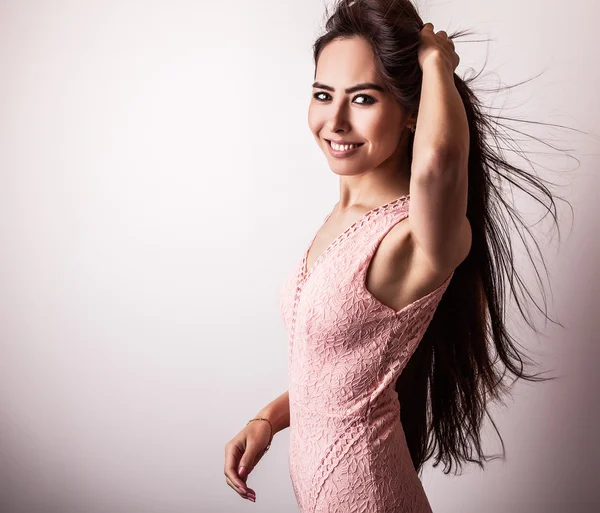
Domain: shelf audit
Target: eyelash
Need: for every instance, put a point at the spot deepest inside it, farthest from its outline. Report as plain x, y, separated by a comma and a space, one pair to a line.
370, 99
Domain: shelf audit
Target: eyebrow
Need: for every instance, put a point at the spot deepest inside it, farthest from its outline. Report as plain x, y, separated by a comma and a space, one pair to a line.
357, 87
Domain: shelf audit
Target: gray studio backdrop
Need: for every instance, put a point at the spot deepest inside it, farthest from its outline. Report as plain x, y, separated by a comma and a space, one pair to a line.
158, 181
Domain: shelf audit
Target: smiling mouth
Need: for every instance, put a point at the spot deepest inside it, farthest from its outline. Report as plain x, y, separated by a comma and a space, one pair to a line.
353, 145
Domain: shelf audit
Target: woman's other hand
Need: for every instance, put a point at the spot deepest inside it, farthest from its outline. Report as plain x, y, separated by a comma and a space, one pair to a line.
242, 453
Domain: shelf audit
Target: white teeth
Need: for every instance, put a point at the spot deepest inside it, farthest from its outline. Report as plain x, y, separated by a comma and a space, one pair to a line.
343, 147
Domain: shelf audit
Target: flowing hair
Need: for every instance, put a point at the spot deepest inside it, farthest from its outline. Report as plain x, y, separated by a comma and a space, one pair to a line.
447, 384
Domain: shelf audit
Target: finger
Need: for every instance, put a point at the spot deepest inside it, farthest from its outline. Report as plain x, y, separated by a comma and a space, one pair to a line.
242, 489
248, 462
232, 456
442, 33
428, 26
235, 488
249, 493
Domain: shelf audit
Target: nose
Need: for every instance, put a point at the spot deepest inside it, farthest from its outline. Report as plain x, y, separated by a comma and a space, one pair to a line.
338, 120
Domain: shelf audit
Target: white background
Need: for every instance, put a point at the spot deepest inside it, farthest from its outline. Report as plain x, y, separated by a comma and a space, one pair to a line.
158, 181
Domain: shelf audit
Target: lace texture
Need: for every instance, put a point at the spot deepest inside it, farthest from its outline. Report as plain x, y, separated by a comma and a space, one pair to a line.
346, 349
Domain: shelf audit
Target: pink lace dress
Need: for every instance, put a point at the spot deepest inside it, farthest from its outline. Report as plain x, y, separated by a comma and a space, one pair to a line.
346, 349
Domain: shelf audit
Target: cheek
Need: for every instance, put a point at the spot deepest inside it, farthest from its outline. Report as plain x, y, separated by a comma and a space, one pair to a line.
315, 123
380, 128
385, 136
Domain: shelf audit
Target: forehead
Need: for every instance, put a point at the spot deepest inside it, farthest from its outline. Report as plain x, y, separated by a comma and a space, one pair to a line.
344, 62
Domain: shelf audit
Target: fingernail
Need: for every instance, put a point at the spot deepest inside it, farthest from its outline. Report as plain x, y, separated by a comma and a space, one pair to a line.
241, 469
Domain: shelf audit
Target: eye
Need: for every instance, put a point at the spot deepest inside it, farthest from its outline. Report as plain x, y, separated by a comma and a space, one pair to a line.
367, 100
316, 96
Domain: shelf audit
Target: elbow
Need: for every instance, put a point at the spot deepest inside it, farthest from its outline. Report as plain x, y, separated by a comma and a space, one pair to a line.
444, 166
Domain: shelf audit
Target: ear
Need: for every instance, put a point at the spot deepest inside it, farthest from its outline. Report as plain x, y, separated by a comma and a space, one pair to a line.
411, 121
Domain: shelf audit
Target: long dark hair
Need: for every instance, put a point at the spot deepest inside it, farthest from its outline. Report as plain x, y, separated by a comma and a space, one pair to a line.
447, 384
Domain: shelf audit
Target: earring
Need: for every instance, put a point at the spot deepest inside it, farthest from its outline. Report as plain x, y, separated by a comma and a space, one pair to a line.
413, 128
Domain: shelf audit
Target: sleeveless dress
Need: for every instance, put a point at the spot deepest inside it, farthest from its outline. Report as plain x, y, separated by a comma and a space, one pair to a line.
346, 349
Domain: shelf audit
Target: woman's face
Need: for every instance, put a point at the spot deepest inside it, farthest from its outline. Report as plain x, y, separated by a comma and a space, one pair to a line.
369, 116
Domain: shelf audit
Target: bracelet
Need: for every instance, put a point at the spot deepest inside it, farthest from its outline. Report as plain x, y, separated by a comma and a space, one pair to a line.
262, 418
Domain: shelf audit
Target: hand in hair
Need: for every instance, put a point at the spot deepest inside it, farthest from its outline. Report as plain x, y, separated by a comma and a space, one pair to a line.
437, 45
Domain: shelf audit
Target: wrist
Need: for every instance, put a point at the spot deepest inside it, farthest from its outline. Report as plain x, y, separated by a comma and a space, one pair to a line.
436, 62
277, 412
265, 420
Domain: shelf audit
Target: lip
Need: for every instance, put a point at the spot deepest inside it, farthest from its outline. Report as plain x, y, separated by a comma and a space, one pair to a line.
342, 154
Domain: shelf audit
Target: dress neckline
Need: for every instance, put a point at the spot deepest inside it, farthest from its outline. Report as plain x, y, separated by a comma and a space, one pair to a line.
305, 272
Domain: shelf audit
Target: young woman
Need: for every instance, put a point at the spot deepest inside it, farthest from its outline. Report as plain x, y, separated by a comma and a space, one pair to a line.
394, 309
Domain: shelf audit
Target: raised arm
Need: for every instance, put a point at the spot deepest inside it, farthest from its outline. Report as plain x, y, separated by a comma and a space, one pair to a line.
438, 184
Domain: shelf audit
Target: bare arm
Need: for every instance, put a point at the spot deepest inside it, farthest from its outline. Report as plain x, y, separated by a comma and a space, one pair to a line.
439, 173
244, 451
278, 412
